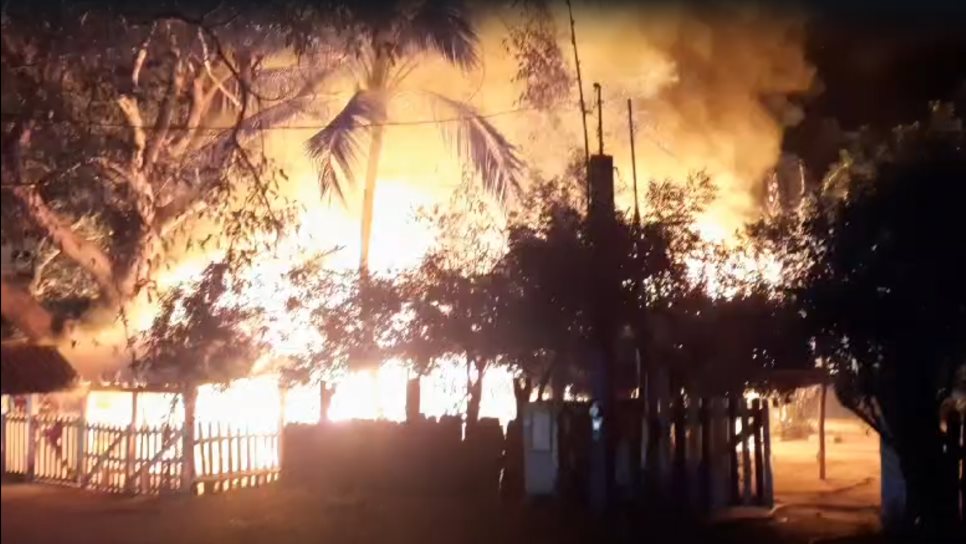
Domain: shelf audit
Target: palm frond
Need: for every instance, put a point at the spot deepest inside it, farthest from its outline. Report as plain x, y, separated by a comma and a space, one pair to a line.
288, 81
336, 145
442, 26
216, 150
493, 157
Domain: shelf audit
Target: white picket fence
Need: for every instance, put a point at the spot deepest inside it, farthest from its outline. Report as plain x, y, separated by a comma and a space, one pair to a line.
126, 459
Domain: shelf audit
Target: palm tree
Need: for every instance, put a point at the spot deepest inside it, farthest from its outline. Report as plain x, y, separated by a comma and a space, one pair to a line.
390, 37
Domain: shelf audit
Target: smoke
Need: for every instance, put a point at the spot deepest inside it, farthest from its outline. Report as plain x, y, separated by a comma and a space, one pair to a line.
710, 87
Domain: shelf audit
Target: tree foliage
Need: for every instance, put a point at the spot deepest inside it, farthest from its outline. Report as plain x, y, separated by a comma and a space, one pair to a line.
201, 334
879, 254
122, 126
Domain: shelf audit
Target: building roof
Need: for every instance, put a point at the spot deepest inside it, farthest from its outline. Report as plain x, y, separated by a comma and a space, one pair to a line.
27, 368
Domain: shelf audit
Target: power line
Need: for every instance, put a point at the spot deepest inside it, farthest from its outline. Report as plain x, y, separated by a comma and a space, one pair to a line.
10, 116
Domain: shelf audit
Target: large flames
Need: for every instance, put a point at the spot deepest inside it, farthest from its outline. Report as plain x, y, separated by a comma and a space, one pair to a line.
696, 83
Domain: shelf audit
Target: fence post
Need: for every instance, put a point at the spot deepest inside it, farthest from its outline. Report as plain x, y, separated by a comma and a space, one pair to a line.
281, 425
3, 438
189, 395
680, 472
719, 463
704, 466
82, 441
759, 465
130, 455
746, 425
31, 442
732, 446
769, 495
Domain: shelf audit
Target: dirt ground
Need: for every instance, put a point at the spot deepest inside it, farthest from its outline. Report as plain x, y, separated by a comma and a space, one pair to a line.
285, 513
809, 511
847, 501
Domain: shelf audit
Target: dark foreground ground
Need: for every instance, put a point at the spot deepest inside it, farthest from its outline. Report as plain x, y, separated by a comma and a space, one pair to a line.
287, 513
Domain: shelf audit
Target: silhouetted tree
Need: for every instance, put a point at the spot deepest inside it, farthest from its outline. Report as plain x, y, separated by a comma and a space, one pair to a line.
876, 262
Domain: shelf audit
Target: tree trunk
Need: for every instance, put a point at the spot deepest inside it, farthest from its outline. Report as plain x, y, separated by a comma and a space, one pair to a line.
475, 391
369, 197
26, 313
913, 419
377, 83
190, 397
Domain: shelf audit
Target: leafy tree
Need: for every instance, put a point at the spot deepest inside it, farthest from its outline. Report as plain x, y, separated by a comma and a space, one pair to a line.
201, 334
879, 256
109, 151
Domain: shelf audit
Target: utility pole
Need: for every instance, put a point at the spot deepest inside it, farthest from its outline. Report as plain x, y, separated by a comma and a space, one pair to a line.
583, 105
600, 121
604, 422
630, 124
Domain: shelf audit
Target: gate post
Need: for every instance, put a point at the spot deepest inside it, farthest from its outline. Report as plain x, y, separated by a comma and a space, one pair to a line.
131, 454
189, 396
3, 438
31, 443
769, 495
82, 442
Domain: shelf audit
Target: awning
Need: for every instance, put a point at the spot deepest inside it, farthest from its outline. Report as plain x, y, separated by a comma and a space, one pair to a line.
27, 368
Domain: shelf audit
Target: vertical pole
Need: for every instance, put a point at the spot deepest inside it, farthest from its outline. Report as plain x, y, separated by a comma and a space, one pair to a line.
732, 445
583, 104
769, 494
31, 431
821, 431
630, 125
680, 451
189, 395
131, 453
600, 120
3, 437
705, 462
759, 457
281, 425
82, 441
746, 423
720, 490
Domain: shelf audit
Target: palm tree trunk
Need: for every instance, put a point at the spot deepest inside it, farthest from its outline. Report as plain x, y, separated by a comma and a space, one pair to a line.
369, 196
377, 85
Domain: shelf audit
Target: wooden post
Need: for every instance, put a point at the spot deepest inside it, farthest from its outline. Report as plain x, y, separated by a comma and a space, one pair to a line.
82, 441
281, 427
759, 457
769, 492
704, 468
31, 431
412, 399
189, 396
3, 438
721, 478
733, 448
130, 455
325, 396
680, 451
746, 425
821, 432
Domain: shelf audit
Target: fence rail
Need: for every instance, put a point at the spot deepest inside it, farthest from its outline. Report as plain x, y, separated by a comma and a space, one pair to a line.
703, 453
68, 450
